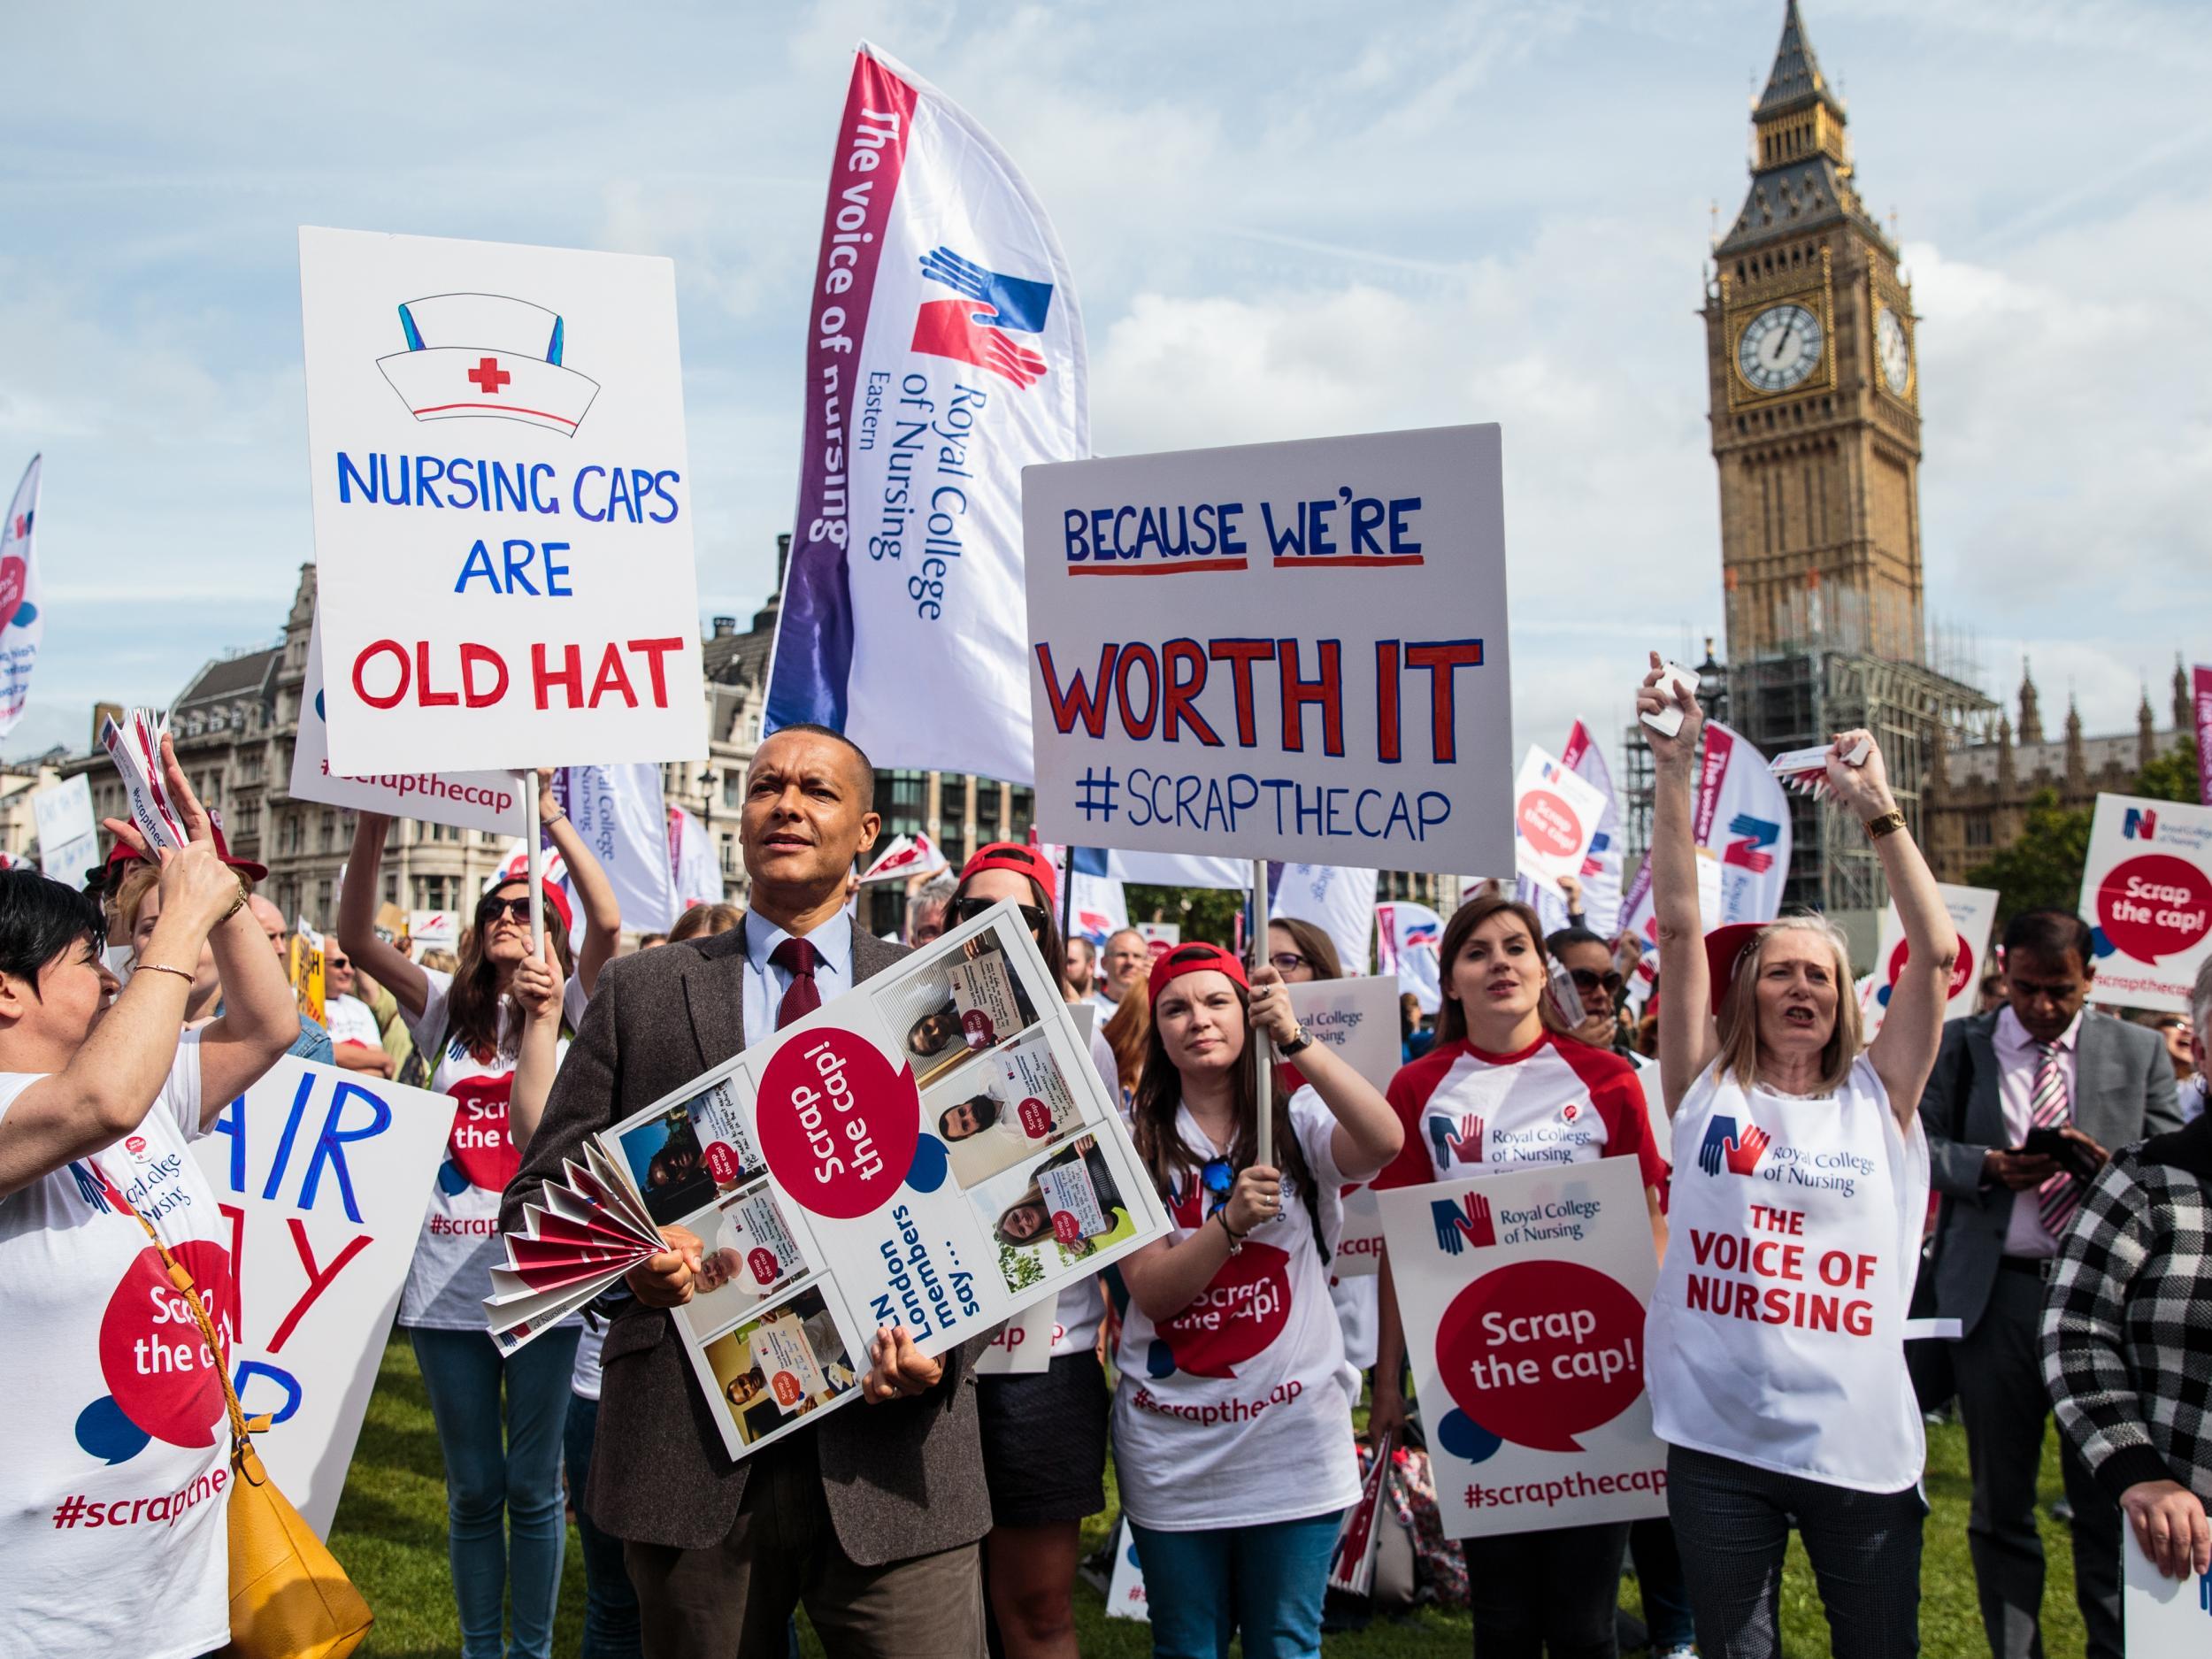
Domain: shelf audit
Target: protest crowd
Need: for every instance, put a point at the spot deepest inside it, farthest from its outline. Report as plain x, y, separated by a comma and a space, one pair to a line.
904, 1254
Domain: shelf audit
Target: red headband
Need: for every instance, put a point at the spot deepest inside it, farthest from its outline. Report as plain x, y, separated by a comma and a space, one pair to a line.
1194, 959
1023, 861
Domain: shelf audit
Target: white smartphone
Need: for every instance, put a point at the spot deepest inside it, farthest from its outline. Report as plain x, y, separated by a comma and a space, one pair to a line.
1668, 721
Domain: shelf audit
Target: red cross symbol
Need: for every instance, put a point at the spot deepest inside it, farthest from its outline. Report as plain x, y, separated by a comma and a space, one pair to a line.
488, 376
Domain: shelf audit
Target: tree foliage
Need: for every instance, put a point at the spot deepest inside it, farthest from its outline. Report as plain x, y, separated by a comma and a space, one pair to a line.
2171, 776
1208, 913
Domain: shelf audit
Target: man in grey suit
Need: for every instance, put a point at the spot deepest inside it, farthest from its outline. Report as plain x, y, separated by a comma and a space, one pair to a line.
872, 1517
2084, 1084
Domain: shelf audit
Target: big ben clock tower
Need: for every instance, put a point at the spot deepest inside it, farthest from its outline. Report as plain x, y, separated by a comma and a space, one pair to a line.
1813, 379
1815, 393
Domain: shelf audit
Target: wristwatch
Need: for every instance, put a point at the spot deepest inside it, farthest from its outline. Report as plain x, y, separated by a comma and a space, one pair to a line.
1888, 823
1296, 1046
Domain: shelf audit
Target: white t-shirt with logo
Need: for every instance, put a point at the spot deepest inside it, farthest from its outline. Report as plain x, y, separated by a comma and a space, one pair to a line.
115, 1445
349, 1019
1775, 1333
1237, 1412
453, 1270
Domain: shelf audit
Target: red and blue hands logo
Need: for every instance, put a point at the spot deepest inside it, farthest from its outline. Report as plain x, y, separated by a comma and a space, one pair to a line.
1751, 836
1460, 1143
1462, 1222
978, 327
1721, 1147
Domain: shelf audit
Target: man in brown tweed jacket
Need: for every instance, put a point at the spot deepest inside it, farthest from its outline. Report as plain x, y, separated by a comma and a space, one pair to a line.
870, 1519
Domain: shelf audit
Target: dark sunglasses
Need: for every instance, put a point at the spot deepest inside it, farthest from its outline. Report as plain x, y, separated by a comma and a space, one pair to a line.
1218, 1179
1586, 981
966, 909
513, 909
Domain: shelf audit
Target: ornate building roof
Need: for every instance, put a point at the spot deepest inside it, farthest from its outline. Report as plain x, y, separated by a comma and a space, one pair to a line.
1800, 171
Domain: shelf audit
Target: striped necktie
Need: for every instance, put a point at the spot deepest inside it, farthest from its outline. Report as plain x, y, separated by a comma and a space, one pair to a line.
2049, 1108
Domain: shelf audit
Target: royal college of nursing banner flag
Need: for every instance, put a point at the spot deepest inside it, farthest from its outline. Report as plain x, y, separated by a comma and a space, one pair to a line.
22, 607
1741, 821
944, 354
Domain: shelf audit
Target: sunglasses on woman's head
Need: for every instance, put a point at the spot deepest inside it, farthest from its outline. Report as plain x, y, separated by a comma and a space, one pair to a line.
966, 909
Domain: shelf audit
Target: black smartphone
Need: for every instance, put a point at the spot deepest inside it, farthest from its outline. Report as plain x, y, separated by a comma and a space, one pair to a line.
2046, 1142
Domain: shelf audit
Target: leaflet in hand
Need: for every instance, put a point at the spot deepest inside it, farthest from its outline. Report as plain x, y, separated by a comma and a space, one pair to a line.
134, 745
1805, 769
932, 1149
1672, 679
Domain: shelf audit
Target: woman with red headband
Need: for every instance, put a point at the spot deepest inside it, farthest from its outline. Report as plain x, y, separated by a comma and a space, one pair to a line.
1776, 1335
1233, 1442
493, 1031
1506, 1087
1044, 1435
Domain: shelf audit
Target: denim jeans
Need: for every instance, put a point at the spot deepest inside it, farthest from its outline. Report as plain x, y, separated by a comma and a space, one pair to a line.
498, 1470
611, 1629
1265, 1581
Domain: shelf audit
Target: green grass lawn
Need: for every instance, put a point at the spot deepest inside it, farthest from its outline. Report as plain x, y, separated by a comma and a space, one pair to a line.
390, 1535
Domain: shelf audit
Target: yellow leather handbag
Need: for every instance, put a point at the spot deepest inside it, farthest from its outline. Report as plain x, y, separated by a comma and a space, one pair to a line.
290, 1599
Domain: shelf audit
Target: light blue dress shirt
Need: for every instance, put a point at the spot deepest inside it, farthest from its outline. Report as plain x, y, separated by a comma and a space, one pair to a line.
765, 983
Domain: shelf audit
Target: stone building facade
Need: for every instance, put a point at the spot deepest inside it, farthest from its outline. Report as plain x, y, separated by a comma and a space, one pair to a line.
1978, 795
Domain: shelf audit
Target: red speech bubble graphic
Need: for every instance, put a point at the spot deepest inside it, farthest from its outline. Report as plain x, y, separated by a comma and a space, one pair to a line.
722, 1162
838, 1124
764, 1268
2154, 905
976, 1026
1036, 1118
480, 1145
1065, 1228
1962, 971
1237, 1314
787, 1388
152, 1357
1539, 1352
1549, 824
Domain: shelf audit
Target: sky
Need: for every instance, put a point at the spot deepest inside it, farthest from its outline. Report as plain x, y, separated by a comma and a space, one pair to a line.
1284, 221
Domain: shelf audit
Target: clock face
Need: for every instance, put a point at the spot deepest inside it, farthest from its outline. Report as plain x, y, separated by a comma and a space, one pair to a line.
1778, 348
1892, 350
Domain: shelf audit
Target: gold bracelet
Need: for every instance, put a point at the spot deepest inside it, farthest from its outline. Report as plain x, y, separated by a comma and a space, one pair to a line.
1888, 824
239, 904
163, 967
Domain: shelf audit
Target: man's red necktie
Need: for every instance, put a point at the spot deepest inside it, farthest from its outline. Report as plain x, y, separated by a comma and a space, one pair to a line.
797, 958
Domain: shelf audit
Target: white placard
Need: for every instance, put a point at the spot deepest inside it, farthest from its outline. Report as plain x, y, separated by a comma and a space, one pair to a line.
503, 505
2163, 1618
68, 839
1522, 1295
324, 1173
1125, 1591
1359, 1019
1973, 913
474, 799
433, 930
1022, 1345
2146, 889
1294, 650
1556, 815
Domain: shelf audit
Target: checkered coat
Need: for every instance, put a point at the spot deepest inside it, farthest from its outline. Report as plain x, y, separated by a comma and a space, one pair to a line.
2127, 1320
